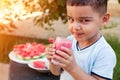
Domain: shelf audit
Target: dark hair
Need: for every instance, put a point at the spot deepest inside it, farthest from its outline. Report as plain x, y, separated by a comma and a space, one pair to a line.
98, 5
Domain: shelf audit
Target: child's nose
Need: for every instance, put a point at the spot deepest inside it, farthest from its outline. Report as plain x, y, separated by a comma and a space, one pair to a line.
76, 25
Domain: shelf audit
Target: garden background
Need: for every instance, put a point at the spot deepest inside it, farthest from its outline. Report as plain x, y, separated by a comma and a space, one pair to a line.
28, 33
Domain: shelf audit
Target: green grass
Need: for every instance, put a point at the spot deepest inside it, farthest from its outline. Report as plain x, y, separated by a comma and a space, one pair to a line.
115, 43
7, 42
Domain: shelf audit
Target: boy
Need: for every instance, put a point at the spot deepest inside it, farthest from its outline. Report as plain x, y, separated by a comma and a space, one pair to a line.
91, 57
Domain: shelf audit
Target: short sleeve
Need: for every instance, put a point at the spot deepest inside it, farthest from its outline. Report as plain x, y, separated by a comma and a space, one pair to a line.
105, 63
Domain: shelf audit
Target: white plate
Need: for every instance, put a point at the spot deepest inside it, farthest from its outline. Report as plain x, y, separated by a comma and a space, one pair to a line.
30, 64
13, 57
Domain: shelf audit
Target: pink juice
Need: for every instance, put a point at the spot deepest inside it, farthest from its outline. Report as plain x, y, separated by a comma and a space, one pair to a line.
59, 42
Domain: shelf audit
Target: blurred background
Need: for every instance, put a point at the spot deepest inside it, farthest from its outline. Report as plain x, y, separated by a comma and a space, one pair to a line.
24, 21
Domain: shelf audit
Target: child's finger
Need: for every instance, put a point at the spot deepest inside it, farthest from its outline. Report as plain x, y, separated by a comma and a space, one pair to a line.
58, 62
62, 54
68, 51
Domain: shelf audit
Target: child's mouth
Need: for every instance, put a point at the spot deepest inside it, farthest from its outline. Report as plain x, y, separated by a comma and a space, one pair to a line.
78, 34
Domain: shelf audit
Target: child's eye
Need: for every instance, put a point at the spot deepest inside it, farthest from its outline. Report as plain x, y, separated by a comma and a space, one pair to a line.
85, 20
70, 19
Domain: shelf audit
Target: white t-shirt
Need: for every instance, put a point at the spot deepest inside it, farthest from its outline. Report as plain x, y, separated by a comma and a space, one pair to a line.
99, 58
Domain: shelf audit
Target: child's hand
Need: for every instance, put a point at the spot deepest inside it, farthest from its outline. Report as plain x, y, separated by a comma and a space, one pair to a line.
65, 59
50, 51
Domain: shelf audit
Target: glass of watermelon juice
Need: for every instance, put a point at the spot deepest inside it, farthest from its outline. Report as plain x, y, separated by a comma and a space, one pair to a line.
62, 42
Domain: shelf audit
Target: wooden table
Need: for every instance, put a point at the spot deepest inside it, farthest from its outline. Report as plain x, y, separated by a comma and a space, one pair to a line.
23, 72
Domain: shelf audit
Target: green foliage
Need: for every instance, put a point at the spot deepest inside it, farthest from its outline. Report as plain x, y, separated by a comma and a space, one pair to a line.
53, 10
7, 42
115, 43
119, 1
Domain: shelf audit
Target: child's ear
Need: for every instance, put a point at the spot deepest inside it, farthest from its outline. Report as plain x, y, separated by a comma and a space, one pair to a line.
106, 18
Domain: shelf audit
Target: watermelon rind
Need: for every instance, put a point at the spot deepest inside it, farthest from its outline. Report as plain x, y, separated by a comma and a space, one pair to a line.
30, 58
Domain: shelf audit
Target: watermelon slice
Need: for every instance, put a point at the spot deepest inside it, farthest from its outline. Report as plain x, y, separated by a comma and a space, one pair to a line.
39, 64
51, 40
29, 51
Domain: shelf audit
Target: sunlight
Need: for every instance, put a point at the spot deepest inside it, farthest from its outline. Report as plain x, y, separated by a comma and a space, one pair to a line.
15, 10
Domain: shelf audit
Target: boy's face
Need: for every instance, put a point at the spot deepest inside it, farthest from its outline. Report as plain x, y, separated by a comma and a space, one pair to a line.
84, 22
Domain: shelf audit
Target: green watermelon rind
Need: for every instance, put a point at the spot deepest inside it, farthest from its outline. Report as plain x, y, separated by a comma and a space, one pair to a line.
29, 58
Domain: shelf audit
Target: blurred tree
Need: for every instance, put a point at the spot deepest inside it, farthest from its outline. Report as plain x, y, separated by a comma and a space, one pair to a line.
119, 1
6, 21
50, 10
53, 10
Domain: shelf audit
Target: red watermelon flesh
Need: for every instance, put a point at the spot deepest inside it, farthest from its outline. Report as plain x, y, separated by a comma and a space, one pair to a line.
29, 50
39, 64
51, 40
